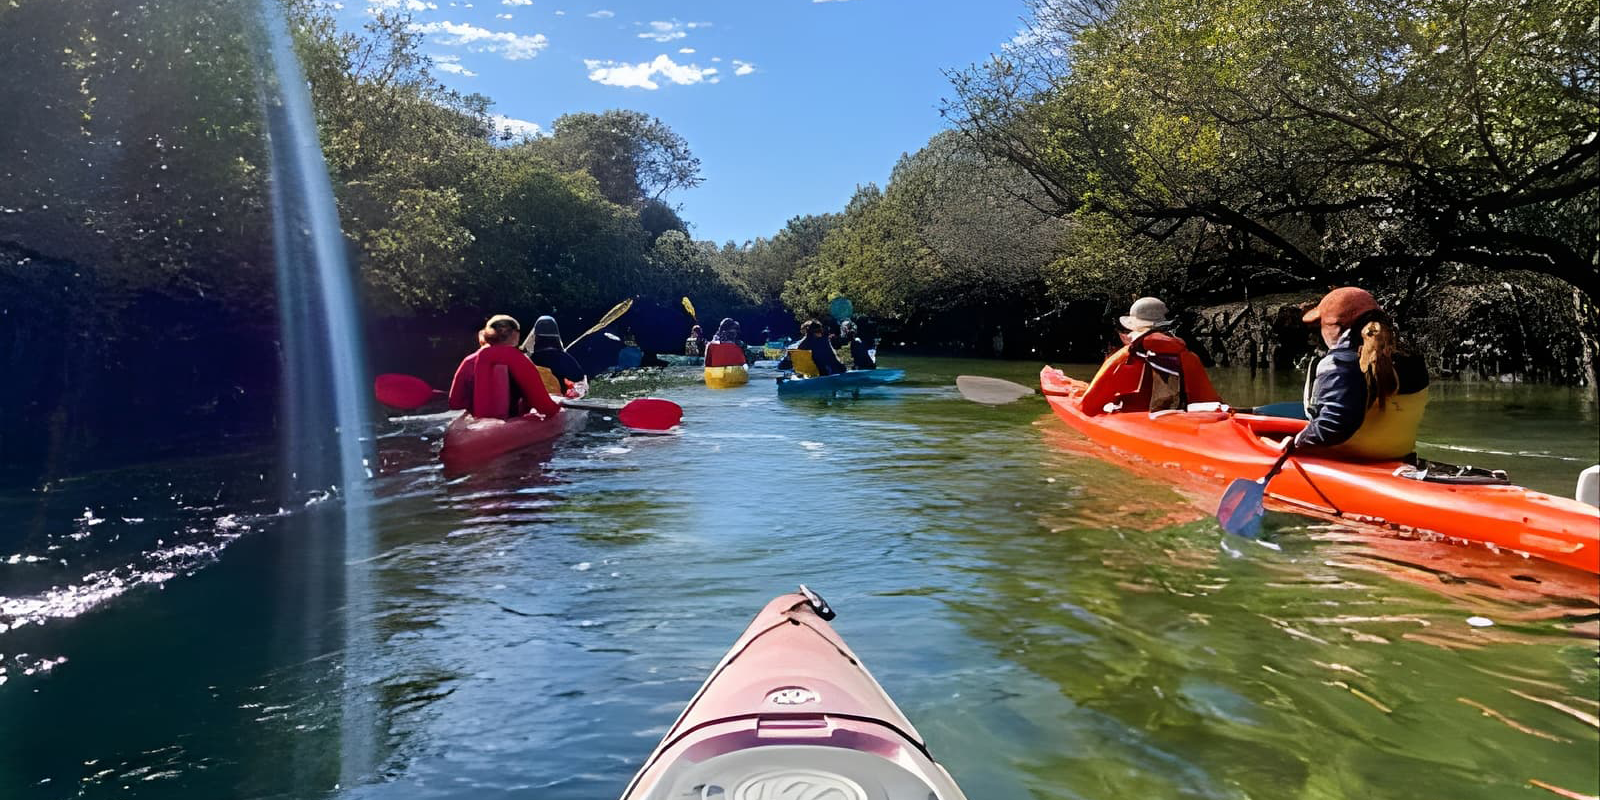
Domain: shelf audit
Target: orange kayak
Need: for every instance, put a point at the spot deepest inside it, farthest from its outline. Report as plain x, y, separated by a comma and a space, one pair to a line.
1224, 445
791, 713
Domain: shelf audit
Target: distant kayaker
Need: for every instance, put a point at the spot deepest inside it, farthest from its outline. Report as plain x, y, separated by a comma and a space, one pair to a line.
696, 343
814, 339
548, 352
1365, 398
725, 349
482, 388
1154, 370
850, 350
727, 333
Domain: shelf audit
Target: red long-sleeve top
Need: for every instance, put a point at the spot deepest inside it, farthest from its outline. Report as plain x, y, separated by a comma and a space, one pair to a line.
477, 388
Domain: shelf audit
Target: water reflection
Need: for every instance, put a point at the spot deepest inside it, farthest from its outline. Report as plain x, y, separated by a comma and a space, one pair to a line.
1055, 625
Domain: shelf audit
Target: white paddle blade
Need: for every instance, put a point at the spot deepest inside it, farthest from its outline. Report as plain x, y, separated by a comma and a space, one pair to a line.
990, 391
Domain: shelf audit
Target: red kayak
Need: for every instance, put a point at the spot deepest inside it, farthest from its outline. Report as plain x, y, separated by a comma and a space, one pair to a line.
470, 442
1224, 445
791, 713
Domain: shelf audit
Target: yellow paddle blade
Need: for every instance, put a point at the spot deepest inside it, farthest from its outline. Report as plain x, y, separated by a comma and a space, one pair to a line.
689, 307
611, 316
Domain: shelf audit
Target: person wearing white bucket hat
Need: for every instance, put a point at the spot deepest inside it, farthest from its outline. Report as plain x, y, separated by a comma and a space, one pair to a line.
1154, 370
1146, 314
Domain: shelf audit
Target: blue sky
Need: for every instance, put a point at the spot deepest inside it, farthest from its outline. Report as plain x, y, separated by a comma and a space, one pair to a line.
808, 97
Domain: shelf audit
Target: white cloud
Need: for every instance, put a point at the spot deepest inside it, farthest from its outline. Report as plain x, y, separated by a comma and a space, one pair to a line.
513, 46
602, 14
743, 67
516, 2
669, 31
374, 6
643, 75
686, 50
455, 69
515, 128
561, 13
502, 16
716, 58
664, 32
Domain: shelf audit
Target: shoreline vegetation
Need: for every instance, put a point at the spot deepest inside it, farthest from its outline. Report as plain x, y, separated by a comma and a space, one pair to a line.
1233, 161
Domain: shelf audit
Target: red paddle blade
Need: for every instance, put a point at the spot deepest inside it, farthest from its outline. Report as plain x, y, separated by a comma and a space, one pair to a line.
401, 391
651, 414
1240, 511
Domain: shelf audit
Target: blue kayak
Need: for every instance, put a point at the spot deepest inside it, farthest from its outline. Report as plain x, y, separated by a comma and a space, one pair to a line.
852, 382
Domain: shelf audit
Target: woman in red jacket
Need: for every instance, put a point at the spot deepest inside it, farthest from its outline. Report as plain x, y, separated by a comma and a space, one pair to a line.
1154, 371
498, 380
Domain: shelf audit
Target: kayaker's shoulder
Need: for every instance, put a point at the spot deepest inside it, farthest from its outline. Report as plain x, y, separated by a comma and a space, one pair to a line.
1342, 358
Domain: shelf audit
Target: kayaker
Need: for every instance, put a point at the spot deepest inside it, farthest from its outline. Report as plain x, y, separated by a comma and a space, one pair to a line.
485, 390
725, 349
814, 339
696, 343
548, 352
727, 333
1154, 370
850, 350
1365, 398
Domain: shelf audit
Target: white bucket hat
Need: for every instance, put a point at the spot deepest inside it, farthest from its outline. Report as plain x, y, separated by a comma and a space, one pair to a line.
1146, 313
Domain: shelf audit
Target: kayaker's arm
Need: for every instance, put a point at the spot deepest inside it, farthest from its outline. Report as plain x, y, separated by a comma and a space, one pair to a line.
862, 355
1196, 383
461, 385
1339, 402
526, 376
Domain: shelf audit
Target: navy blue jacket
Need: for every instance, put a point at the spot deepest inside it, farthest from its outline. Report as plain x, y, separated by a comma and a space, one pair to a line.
559, 362
1337, 403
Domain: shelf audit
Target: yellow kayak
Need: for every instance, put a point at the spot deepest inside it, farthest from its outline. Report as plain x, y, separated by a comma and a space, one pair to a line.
727, 377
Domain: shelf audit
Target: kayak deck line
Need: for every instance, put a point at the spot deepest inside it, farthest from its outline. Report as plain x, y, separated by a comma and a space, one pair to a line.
1230, 445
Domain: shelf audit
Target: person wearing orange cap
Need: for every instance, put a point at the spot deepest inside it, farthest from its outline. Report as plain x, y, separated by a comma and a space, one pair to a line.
1365, 398
1154, 370
498, 380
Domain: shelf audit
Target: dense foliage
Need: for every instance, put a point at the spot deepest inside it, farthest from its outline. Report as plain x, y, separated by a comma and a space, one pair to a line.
1278, 144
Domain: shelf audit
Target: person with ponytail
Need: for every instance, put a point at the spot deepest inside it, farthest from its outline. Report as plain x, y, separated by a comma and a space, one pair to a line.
497, 380
1365, 398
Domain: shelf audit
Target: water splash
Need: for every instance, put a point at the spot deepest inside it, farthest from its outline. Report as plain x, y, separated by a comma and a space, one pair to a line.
324, 405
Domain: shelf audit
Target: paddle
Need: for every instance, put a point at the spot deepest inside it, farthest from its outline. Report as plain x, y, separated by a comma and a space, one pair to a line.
405, 392
611, 316
841, 308
651, 414
1241, 508
408, 392
990, 391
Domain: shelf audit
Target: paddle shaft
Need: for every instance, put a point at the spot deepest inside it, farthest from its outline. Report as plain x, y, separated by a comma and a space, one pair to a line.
1277, 466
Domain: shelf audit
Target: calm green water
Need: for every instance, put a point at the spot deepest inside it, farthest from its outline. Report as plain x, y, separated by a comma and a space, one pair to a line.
1054, 625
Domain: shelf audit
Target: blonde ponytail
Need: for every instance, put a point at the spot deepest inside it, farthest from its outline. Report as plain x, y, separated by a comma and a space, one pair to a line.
1377, 357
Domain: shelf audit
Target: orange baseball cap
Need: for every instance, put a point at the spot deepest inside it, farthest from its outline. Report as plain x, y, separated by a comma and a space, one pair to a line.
1342, 307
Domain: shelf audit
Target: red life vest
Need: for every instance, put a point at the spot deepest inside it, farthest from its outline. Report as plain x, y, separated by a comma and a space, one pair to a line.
724, 354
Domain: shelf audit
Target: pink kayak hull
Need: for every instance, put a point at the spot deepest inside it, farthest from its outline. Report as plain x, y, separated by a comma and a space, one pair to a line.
791, 712
470, 442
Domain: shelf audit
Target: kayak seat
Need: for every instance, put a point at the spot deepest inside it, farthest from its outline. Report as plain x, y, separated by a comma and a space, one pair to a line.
804, 365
